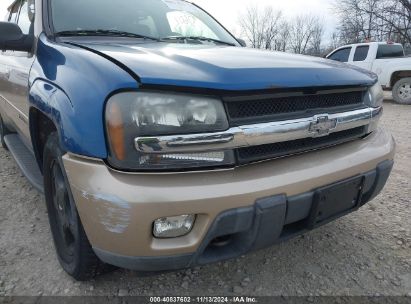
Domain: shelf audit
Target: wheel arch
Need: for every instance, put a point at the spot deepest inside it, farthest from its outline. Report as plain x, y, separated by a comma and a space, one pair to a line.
41, 126
397, 75
48, 105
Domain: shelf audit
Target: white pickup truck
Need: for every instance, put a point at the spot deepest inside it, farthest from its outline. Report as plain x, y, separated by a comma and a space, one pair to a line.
385, 59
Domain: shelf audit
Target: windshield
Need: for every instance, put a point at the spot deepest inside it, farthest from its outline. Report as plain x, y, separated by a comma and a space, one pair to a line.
158, 19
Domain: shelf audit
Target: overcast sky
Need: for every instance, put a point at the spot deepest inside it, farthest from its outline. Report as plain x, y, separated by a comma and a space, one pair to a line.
228, 11
3, 5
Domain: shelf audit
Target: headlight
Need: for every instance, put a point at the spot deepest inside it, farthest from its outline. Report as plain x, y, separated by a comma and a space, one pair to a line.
375, 96
136, 114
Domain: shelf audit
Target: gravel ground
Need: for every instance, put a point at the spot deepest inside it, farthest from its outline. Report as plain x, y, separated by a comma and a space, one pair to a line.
365, 253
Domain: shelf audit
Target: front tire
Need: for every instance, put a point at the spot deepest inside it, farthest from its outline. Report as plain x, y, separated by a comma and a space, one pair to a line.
402, 91
74, 251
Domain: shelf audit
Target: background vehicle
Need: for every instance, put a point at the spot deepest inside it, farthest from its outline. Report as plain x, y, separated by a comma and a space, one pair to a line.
160, 143
387, 60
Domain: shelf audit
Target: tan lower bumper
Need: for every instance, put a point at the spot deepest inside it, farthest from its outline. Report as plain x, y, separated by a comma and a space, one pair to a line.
118, 209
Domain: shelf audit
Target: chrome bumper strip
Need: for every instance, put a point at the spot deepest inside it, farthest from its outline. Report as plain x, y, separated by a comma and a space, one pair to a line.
260, 134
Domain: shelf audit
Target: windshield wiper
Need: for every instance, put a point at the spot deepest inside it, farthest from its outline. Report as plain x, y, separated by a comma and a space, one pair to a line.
114, 33
200, 38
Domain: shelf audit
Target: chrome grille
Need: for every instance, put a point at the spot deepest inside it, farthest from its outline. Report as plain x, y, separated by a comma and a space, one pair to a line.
264, 127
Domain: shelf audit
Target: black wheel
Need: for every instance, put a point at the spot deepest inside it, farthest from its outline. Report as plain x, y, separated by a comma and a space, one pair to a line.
3, 132
73, 248
402, 91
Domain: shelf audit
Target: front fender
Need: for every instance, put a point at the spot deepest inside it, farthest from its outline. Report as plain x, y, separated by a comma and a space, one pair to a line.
70, 86
56, 105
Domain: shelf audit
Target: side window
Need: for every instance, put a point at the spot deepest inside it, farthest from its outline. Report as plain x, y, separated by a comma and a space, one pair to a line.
23, 19
390, 51
361, 53
341, 55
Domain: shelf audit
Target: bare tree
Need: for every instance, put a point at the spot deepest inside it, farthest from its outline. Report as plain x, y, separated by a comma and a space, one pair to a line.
334, 40
261, 26
252, 26
317, 39
360, 21
267, 29
355, 25
272, 20
281, 42
306, 31
395, 19
368, 20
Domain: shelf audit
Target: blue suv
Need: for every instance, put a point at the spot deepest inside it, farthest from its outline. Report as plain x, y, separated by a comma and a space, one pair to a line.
160, 142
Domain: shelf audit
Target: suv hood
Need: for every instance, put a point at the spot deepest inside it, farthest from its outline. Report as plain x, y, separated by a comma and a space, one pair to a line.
227, 68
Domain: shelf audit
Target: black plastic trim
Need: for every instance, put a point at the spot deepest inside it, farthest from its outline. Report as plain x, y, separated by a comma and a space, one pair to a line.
25, 160
145, 263
232, 94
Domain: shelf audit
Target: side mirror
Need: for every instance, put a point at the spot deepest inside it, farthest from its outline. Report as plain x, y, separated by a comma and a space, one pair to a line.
242, 42
12, 38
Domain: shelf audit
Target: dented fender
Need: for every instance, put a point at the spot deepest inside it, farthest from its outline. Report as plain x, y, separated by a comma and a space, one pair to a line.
70, 86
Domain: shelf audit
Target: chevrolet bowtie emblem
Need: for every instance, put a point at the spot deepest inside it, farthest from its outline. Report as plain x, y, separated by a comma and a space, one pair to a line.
322, 125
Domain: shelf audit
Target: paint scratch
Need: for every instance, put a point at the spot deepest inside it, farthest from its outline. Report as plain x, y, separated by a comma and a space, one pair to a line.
112, 211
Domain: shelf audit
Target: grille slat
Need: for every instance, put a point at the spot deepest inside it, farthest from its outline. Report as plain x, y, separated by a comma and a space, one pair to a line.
277, 150
249, 109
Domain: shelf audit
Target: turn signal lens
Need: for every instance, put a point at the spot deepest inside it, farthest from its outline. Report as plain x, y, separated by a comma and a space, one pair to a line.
375, 96
115, 130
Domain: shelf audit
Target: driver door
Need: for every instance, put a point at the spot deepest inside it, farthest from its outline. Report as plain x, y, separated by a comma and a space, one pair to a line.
14, 74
